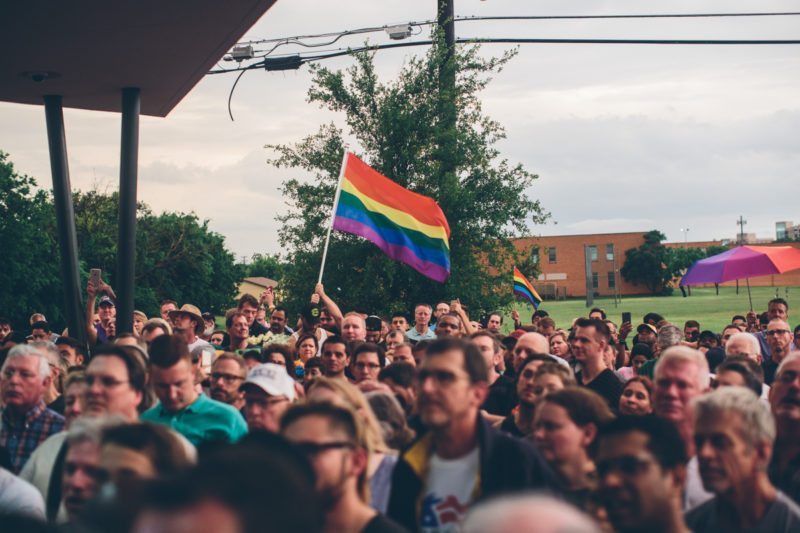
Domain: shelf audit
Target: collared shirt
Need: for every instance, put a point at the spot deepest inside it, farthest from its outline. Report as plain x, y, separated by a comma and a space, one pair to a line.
203, 421
21, 437
416, 336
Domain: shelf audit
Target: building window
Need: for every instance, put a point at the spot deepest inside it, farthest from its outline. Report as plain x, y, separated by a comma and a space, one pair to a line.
552, 257
595, 280
535, 255
612, 280
609, 252
593, 252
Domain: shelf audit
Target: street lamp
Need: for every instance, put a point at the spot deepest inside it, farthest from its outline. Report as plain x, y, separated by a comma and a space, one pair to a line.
685, 232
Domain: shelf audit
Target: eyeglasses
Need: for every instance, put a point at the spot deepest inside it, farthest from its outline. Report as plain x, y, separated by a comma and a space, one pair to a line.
370, 366
105, 381
227, 378
627, 465
265, 403
777, 331
315, 448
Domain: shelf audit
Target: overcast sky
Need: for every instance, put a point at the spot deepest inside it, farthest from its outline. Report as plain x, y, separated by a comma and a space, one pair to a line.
623, 137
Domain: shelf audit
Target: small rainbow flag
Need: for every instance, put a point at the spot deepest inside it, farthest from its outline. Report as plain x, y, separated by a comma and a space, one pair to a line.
407, 226
524, 288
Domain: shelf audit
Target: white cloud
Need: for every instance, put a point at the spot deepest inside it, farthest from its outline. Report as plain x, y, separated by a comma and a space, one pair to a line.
623, 137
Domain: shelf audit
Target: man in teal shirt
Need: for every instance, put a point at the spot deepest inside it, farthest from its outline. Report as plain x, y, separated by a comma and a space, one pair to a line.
195, 416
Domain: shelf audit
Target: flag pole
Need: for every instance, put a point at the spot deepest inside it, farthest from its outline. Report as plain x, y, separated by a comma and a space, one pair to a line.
333, 215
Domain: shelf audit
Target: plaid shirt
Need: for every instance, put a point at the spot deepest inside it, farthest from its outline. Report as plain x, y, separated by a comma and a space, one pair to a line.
21, 437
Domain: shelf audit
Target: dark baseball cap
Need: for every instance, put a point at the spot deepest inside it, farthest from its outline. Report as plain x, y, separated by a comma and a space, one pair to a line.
105, 300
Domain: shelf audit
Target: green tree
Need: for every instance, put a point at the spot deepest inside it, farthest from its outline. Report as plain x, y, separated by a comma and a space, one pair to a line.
648, 264
264, 265
177, 255
30, 274
397, 127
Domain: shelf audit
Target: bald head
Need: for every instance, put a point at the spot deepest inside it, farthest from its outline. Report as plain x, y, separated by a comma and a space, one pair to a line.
535, 342
528, 344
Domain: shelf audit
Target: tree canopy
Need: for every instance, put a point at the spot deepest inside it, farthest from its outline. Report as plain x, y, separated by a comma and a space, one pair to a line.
396, 127
177, 255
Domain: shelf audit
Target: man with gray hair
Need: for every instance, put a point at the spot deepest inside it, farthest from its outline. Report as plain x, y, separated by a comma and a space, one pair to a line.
26, 421
681, 375
734, 435
667, 336
743, 344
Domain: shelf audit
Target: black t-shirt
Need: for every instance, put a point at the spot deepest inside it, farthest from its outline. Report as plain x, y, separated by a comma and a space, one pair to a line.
606, 384
57, 405
509, 426
501, 398
382, 524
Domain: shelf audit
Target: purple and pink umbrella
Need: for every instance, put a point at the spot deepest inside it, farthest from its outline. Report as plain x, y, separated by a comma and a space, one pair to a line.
743, 262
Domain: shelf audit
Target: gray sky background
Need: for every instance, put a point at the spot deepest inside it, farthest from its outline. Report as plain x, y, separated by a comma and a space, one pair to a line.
623, 137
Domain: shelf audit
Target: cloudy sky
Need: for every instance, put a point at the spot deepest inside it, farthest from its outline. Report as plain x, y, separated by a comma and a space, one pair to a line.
623, 137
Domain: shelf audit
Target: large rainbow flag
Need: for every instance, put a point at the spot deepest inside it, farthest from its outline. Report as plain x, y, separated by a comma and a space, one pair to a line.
407, 226
524, 288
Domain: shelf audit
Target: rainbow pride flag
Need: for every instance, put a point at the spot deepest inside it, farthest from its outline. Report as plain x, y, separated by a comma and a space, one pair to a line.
407, 226
524, 288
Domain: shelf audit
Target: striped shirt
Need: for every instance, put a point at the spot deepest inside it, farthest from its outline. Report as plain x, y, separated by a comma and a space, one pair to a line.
21, 436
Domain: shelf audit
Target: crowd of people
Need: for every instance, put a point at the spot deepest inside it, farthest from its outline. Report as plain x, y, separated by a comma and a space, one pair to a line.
344, 422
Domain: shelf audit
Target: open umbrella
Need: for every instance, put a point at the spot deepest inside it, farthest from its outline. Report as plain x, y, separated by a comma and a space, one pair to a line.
743, 262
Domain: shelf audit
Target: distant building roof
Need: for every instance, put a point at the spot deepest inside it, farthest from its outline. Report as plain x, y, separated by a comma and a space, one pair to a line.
261, 281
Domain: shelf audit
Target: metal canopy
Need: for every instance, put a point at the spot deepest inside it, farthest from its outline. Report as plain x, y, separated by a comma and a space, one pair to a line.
88, 51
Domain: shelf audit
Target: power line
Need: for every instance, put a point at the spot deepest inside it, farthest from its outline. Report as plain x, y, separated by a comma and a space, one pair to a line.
508, 40
298, 39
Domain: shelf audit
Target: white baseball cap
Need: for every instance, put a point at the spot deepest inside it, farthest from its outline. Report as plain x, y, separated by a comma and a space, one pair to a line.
272, 379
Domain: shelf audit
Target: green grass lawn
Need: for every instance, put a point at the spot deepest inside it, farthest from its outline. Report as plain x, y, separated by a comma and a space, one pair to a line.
712, 311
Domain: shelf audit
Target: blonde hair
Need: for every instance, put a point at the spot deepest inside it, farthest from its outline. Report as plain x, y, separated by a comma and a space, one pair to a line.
355, 400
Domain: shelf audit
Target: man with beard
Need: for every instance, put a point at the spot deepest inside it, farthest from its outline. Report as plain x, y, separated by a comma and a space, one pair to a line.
81, 476
779, 340
784, 399
333, 439
227, 374
268, 393
734, 433
641, 472
461, 459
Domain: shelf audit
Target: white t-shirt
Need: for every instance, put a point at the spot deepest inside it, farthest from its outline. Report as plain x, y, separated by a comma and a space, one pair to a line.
448, 492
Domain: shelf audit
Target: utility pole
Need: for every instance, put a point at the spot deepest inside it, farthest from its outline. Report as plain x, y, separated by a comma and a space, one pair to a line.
446, 156
741, 222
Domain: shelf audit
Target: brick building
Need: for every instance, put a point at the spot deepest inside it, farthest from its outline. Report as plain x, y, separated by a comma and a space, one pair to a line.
563, 268
560, 260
